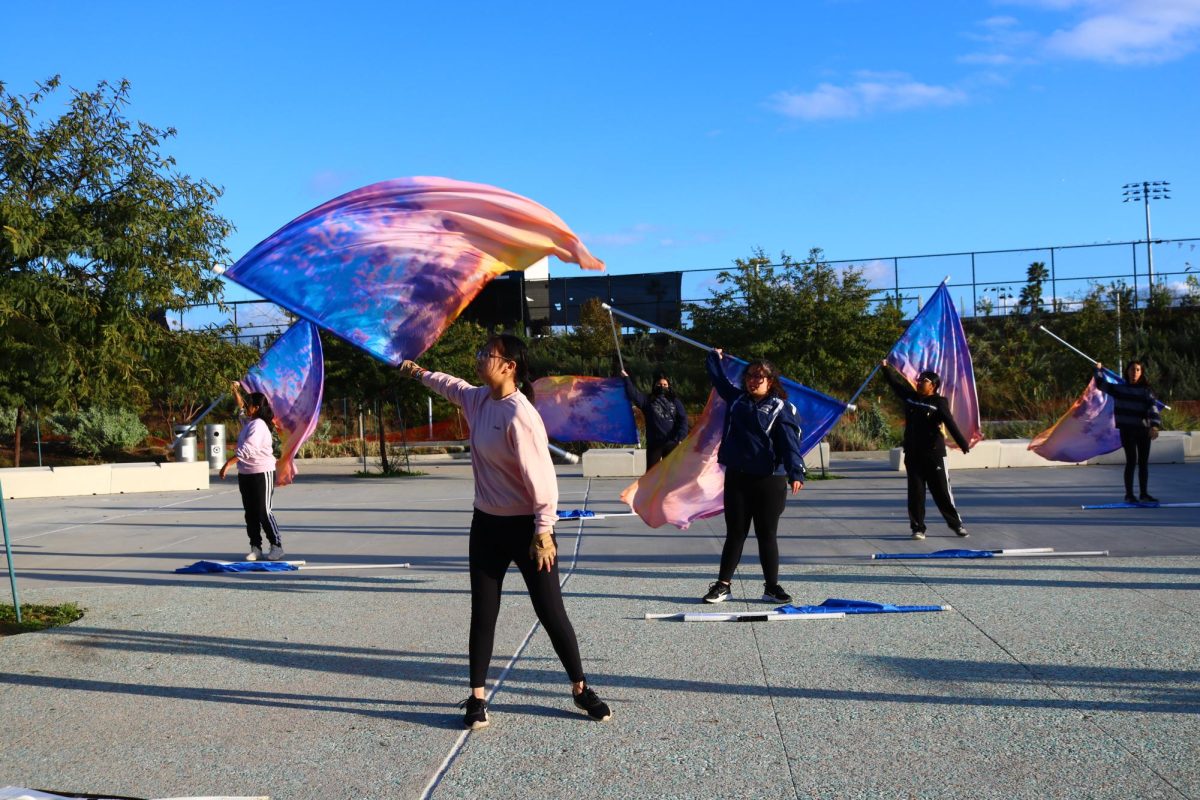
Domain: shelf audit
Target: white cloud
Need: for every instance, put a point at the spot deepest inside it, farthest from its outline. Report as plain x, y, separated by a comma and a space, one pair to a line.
872, 93
1131, 32
1124, 32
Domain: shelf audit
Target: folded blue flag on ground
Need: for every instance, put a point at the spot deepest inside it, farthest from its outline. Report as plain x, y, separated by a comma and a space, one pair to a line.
838, 605
951, 553
238, 566
576, 513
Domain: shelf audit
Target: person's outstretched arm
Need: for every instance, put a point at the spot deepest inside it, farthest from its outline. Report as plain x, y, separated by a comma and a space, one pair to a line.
951, 425
632, 393
452, 388
720, 382
898, 382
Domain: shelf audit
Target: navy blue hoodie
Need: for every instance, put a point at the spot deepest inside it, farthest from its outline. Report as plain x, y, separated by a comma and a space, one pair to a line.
761, 437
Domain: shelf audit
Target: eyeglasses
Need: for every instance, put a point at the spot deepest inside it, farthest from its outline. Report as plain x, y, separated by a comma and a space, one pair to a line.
924, 380
755, 377
484, 355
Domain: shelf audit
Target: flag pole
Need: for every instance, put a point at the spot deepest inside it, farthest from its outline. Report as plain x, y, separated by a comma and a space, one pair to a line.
616, 341
12, 575
656, 327
849, 406
192, 425
1089, 358
1046, 330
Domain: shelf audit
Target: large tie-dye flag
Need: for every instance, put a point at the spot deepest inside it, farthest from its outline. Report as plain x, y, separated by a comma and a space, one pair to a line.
388, 267
935, 341
577, 408
1085, 431
292, 376
689, 484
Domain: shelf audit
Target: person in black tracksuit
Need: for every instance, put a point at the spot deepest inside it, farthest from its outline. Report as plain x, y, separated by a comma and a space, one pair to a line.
760, 450
666, 418
1137, 418
925, 412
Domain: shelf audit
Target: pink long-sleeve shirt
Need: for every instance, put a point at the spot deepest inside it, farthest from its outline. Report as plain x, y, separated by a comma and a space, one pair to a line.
509, 457
255, 448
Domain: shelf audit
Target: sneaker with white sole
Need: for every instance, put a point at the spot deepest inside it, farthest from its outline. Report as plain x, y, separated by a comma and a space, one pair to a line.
775, 594
476, 716
588, 701
255, 554
276, 553
961, 531
918, 535
718, 593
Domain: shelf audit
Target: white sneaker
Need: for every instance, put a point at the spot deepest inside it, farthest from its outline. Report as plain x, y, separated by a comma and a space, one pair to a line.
255, 554
276, 553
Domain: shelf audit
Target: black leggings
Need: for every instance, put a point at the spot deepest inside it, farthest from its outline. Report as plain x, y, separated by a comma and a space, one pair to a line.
497, 542
1136, 442
657, 453
752, 498
257, 490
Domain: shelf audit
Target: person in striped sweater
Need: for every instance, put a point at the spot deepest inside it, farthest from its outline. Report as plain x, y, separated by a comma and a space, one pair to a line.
1137, 418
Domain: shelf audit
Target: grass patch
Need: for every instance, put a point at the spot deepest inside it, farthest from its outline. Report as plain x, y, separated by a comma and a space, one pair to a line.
391, 473
36, 618
814, 474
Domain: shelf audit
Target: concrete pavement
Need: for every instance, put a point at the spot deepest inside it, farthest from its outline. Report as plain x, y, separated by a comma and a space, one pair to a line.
1050, 678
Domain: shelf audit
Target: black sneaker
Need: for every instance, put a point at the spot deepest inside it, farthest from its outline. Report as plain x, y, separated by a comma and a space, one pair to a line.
918, 534
596, 708
1146, 498
718, 593
775, 594
961, 531
1129, 498
476, 716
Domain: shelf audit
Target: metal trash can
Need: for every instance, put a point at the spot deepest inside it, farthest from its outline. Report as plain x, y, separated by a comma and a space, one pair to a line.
214, 445
185, 446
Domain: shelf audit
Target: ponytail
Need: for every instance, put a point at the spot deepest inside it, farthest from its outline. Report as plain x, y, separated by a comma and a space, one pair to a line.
264, 408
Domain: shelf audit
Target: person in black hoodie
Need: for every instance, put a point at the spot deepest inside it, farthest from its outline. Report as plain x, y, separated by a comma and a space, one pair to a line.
760, 450
1137, 418
925, 412
666, 418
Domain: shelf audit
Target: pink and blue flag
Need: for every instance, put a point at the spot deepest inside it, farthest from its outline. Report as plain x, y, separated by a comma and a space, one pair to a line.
577, 408
1085, 431
689, 484
389, 266
935, 340
292, 376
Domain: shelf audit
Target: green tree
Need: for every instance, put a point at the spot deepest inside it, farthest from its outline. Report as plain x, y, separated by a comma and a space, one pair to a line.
100, 236
1030, 299
817, 323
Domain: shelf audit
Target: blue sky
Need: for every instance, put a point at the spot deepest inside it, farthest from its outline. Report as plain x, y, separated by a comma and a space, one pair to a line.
677, 135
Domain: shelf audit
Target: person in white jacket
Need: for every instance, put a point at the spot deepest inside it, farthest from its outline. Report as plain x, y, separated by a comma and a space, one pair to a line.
255, 459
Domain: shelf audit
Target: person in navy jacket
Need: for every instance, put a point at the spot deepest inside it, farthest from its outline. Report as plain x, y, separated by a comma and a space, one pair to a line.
666, 418
760, 450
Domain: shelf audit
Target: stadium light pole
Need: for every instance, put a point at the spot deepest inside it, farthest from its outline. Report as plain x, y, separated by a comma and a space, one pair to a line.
1145, 192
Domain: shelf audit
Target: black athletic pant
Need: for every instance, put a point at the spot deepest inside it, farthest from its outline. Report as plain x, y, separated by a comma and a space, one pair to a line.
1136, 442
752, 498
929, 471
257, 490
658, 453
497, 542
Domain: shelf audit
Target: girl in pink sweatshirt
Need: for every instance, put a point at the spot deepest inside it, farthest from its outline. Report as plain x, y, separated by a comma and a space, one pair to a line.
255, 459
516, 502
